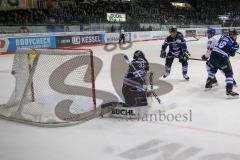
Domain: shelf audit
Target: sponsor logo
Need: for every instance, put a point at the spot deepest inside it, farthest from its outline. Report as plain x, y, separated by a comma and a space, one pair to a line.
2, 43
33, 42
76, 40
90, 39
116, 17
113, 39
124, 112
63, 41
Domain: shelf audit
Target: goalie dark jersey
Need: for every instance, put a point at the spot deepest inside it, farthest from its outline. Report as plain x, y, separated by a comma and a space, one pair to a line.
134, 85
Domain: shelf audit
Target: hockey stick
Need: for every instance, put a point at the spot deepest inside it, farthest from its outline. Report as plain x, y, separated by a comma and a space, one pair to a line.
153, 93
196, 39
196, 59
192, 40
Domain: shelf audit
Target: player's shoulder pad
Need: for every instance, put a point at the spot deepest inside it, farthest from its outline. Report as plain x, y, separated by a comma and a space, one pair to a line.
179, 35
168, 37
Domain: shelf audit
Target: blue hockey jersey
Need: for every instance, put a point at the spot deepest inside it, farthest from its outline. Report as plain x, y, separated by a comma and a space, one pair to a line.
226, 46
176, 45
138, 68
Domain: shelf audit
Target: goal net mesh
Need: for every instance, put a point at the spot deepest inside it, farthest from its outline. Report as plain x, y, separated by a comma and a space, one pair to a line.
52, 87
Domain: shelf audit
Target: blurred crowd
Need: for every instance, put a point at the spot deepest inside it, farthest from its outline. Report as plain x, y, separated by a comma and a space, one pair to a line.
204, 12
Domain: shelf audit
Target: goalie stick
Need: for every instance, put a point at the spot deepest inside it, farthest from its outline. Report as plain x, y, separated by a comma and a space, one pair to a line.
106, 109
164, 108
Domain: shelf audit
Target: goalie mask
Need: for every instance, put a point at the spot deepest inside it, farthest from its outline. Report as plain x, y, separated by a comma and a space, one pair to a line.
138, 54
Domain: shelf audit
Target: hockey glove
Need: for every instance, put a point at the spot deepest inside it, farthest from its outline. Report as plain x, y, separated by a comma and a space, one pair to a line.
13, 72
184, 56
163, 54
204, 58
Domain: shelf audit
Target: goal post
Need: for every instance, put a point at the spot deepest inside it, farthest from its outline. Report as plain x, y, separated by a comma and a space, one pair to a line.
56, 89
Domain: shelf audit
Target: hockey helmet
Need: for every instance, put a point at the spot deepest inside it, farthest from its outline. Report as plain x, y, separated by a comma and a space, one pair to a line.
172, 29
211, 31
232, 32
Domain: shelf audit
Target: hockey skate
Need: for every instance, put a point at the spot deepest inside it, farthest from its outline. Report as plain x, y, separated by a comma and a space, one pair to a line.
209, 83
231, 94
234, 83
214, 82
186, 77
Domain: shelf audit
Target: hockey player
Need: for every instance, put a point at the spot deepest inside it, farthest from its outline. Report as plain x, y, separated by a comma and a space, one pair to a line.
212, 41
134, 92
121, 36
219, 59
177, 49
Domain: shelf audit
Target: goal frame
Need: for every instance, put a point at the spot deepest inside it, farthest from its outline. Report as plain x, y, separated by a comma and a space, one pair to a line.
95, 112
92, 73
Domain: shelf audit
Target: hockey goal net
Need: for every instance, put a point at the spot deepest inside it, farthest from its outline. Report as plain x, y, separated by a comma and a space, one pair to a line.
52, 87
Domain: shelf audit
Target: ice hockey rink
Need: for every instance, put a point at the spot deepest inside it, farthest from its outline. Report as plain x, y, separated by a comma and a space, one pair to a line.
212, 134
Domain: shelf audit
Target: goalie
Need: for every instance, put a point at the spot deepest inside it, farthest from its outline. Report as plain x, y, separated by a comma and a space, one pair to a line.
134, 89
134, 86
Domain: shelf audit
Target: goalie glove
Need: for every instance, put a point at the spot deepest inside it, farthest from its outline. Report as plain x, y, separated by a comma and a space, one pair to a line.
184, 56
163, 54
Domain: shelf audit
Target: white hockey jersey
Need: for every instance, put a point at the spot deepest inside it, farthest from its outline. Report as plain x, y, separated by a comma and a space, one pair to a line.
211, 44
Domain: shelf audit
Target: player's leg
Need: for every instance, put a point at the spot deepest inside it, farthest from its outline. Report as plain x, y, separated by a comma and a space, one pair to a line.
123, 38
234, 82
227, 69
211, 78
214, 80
136, 104
134, 92
230, 66
168, 64
185, 70
183, 59
213, 65
120, 38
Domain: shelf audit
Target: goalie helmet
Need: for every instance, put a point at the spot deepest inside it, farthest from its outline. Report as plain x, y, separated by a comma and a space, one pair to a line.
138, 54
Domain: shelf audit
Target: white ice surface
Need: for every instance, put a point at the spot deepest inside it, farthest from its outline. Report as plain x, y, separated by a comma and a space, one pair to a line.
214, 131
